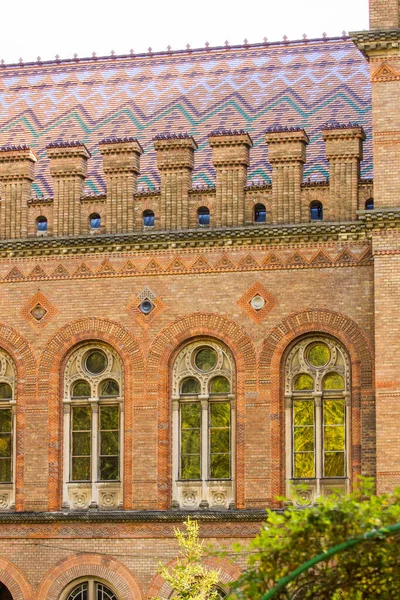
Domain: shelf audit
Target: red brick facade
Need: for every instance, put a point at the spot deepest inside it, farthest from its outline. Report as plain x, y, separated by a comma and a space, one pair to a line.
267, 272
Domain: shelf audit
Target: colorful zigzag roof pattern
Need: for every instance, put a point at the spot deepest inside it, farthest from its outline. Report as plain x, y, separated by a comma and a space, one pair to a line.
305, 84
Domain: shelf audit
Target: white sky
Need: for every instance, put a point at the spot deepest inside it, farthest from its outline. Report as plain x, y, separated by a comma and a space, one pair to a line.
48, 27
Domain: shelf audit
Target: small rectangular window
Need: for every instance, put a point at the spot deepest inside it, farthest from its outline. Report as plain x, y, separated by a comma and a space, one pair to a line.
190, 441
5, 445
81, 443
109, 443
220, 440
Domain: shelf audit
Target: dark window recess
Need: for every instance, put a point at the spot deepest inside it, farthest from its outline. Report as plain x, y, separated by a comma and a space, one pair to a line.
369, 204
203, 214
260, 213
42, 224
95, 221
148, 218
316, 211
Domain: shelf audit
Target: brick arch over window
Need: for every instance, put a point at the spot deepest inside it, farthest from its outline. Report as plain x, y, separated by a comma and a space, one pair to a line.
229, 572
161, 356
272, 359
15, 581
49, 380
89, 565
24, 359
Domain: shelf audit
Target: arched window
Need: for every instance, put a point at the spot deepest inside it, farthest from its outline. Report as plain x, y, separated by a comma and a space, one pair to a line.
93, 410
5, 594
203, 424
90, 589
148, 218
41, 225
316, 211
203, 215
317, 391
369, 204
7, 429
95, 221
260, 213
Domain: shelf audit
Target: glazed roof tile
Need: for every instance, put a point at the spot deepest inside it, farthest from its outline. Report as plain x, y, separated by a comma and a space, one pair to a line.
304, 84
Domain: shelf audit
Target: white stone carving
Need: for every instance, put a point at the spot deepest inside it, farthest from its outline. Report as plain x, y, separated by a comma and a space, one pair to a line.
189, 499
219, 498
80, 498
5, 500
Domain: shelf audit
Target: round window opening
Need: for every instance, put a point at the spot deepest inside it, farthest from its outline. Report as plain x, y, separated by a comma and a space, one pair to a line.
318, 355
146, 306
96, 362
206, 359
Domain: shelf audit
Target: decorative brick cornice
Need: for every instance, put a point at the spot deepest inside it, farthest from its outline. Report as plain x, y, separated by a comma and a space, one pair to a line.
145, 516
218, 237
175, 151
68, 148
68, 159
376, 41
121, 155
286, 145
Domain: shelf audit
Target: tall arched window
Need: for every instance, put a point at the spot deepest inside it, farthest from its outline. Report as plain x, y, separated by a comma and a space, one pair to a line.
93, 411
203, 426
89, 589
7, 430
317, 392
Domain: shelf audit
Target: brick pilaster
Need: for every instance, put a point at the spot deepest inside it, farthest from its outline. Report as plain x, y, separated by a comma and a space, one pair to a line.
17, 164
384, 14
344, 152
121, 164
175, 160
231, 157
68, 167
287, 155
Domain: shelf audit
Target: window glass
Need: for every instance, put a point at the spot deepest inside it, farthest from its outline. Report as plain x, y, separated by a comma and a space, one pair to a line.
333, 381
81, 389
334, 438
206, 359
95, 221
316, 211
369, 204
109, 388
96, 362
81, 443
5, 445
79, 593
219, 385
190, 441
203, 214
5, 391
220, 424
304, 382
303, 438
42, 224
318, 355
260, 213
148, 218
190, 385
109, 443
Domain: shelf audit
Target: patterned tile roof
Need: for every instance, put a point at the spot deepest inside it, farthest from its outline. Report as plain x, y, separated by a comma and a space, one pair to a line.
300, 84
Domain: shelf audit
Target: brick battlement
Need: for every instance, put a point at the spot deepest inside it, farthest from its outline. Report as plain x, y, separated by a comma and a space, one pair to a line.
176, 203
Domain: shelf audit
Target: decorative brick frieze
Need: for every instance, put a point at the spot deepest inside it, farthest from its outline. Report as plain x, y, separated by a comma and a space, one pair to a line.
68, 167
231, 158
345, 152
17, 164
121, 164
287, 155
175, 160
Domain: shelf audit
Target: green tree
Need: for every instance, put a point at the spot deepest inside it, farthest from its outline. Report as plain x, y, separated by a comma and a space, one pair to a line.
188, 577
287, 540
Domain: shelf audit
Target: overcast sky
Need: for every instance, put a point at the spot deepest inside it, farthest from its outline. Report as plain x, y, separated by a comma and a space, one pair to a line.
48, 27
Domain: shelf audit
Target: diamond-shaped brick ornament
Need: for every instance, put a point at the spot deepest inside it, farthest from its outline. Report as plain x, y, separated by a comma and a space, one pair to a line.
38, 311
156, 306
257, 302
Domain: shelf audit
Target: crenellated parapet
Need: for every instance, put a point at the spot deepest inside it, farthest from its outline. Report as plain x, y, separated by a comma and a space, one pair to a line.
175, 161
344, 151
68, 167
179, 203
121, 165
287, 155
16, 176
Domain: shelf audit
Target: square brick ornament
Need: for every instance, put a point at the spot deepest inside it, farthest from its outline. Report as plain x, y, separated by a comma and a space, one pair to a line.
261, 298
